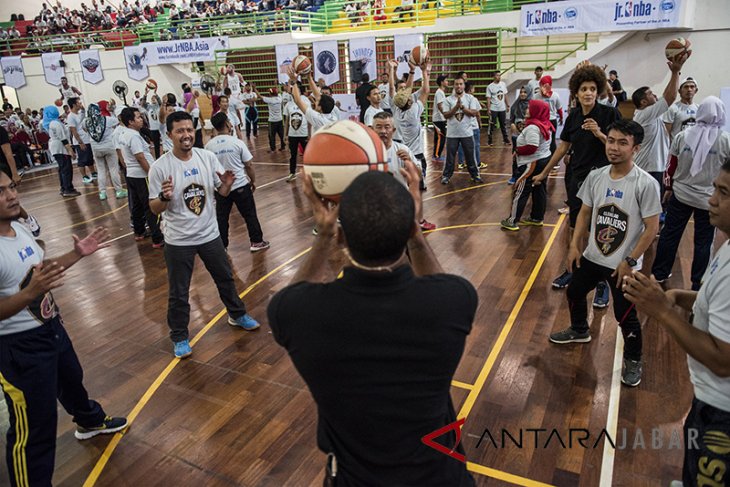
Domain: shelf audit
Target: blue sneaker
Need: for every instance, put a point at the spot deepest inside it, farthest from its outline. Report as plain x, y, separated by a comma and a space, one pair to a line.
600, 297
512, 180
245, 322
563, 280
182, 349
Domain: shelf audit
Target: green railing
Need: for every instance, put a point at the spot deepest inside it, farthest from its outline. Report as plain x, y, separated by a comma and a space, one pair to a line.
524, 55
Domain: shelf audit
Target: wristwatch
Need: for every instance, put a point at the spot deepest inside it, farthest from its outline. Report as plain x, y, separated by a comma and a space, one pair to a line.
630, 261
161, 196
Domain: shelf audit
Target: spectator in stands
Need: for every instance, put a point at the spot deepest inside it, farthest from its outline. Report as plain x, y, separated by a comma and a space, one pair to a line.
13, 33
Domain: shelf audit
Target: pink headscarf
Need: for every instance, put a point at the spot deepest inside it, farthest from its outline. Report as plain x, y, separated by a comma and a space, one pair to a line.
546, 85
539, 115
701, 137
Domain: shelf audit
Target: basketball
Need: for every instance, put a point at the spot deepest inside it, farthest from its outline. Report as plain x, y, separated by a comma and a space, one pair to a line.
152, 84
340, 152
59, 102
302, 65
419, 54
676, 47
223, 70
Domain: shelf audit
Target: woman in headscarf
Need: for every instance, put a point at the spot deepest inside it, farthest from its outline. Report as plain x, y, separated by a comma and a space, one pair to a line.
696, 155
517, 115
533, 154
100, 124
60, 147
556, 107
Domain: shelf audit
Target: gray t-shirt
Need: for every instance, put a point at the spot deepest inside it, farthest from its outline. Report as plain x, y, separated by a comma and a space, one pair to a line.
318, 120
395, 163
274, 104
532, 88
190, 217
298, 126
654, 152
76, 121
680, 116
18, 255
496, 93
408, 125
131, 143
619, 208
384, 89
696, 190
232, 153
439, 97
459, 125
712, 315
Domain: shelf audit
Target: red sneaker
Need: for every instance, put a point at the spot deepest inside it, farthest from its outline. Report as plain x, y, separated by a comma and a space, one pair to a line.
426, 225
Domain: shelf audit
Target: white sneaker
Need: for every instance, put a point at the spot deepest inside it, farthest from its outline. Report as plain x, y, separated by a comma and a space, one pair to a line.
33, 225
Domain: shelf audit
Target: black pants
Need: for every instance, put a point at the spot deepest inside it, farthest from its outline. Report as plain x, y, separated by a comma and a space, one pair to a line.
276, 128
678, 214
574, 203
585, 279
243, 199
424, 166
294, 143
502, 117
439, 140
452, 147
523, 189
156, 137
553, 144
37, 367
180, 260
139, 197
708, 463
252, 121
65, 172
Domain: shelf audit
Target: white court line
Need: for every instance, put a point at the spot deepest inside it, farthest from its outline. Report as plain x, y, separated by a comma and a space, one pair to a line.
272, 182
120, 237
609, 452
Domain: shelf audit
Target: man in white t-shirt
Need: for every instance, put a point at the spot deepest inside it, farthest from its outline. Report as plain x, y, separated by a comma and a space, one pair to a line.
459, 110
297, 132
276, 124
705, 337
438, 119
322, 113
182, 183
497, 107
67, 91
374, 97
234, 156
533, 86
233, 80
682, 113
227, 108
81, 140
138, 159
617, 223
384, 89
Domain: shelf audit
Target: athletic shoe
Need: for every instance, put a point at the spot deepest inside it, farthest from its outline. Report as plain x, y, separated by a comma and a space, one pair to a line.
483, 165
262, 245
569, 335
461, 165
122, 193
600, 297
512, 180
139, 238
182, 349
87, 179
532, 222
441, 159
660, 281
70, 194
564, 210
315, 232
291, 177
158, 245
109, 425
444, 180
102, 195
33, 225
631, 375
676, 483
477, 180
507, 225
94, 176
426, 225
245, 322
563, 280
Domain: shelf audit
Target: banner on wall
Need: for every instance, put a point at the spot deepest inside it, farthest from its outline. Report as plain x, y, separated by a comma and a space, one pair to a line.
52, 69
135, 58
402, 45
326, 61
540, 19
363, 50
184, 51
91, 66
13, 72
285, 54
348, 107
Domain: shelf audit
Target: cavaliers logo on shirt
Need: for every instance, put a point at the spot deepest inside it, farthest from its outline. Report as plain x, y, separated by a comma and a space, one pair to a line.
610, 231
459, 115
43, 307
194, 197
296, 120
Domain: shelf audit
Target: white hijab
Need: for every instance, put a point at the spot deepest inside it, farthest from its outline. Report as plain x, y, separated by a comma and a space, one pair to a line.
702, 136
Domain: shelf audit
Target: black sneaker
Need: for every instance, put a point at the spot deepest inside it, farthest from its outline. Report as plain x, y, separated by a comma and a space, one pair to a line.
569, 335
631, 375
563, 280
109, 425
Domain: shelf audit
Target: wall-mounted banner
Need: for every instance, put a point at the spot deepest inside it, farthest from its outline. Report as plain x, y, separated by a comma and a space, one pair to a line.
184, 51
348, 107
285, 54
402, 45
326, 61
363, 49
135, 57
52, 68
539, 19
13, 72
91, 66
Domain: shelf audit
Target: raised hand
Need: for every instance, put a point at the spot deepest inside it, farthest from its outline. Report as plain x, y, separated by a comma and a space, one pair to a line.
325, 213
94, 241
167, 188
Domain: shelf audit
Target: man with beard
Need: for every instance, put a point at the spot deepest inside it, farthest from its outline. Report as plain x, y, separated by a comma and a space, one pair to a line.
459, 110
683, 112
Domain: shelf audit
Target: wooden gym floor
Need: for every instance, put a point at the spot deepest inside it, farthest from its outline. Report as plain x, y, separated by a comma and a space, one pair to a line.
237, 414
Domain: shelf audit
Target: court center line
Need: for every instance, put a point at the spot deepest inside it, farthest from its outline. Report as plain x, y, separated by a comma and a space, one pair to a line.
101, 463
614, 400
504, 476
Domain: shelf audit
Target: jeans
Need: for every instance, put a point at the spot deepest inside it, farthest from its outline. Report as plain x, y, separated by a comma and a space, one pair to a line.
477, 157
65, 172
452, 146
243, 199
180, 260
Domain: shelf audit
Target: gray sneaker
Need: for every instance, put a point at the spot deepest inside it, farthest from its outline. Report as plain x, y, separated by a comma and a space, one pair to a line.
631, 375
569, 335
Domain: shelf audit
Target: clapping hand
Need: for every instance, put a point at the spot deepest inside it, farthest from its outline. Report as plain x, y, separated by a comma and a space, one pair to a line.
94, 241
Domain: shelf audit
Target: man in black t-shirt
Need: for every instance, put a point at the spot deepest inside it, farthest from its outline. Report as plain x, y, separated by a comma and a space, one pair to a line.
361, 95
378, 348
616, 87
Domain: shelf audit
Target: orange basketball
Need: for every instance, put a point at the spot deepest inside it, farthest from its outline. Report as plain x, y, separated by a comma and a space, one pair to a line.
418, 55
152, 84
676, 47
302, 65
224, 70
59, 102
340, 152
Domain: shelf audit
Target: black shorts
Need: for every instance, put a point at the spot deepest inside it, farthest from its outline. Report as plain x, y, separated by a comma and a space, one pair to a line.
86, 157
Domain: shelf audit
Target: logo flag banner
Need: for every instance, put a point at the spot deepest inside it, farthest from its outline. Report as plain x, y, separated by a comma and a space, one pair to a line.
326, 61
52, 68
402, 45
285, 55
363, 50
91, 66
135, 58
13, 72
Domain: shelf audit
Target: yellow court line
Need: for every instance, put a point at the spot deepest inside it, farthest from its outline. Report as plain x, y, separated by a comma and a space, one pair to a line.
101, 463
462, 385
506, 477
497, 348
470, 188
469, 225
63, 199
90, 219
